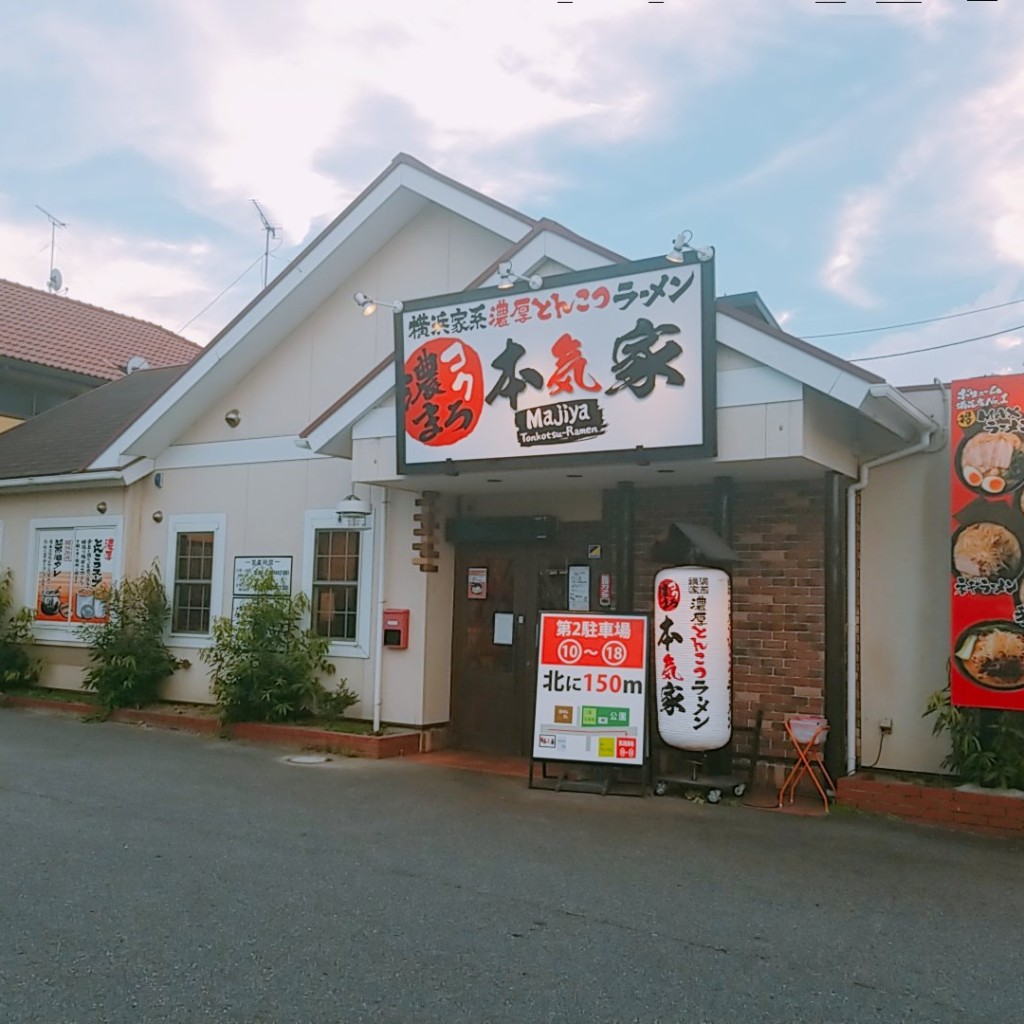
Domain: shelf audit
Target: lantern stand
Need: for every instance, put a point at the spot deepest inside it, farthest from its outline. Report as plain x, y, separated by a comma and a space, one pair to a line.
715, 786
695, 548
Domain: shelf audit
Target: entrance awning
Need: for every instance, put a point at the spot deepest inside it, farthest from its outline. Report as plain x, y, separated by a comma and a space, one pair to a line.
685, 541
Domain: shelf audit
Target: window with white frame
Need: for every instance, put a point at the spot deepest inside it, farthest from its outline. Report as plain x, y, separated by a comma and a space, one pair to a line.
71, 564
337, 575
195, 558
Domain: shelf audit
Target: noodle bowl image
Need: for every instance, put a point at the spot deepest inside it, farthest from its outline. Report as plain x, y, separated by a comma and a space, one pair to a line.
992, 654
992, 463
986, 551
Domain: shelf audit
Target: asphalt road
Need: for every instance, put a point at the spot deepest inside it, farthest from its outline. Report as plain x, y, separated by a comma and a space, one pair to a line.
149, 876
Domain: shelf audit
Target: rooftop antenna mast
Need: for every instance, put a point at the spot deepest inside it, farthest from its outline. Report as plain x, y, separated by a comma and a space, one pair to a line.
271, 232
55, 280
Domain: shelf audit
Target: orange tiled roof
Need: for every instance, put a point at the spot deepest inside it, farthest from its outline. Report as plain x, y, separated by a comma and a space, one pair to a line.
50, 330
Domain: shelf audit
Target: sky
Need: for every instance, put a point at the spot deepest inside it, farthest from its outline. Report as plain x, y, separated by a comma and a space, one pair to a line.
859, 164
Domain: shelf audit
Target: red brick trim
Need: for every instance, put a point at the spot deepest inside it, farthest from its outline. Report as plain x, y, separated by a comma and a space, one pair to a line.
993, 812
302, 737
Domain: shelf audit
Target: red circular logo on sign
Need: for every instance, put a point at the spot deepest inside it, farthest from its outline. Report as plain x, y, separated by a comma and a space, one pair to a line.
444, 391
668, 595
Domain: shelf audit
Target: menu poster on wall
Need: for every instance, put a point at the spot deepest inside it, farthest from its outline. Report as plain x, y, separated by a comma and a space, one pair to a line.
987, 542
73, 568
476, 583
591, 688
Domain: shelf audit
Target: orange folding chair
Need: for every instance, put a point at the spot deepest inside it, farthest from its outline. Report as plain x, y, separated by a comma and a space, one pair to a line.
807, 733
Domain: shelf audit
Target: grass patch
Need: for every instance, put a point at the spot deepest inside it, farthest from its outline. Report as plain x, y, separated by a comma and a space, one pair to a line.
344, 725
57, 696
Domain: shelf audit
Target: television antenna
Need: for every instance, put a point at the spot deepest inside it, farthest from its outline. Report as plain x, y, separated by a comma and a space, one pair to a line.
271, 232
55, 280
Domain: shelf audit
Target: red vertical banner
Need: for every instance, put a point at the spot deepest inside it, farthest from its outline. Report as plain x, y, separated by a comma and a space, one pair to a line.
987, 542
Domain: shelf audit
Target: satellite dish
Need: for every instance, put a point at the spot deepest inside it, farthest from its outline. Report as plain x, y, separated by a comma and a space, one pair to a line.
56, 281
136, 363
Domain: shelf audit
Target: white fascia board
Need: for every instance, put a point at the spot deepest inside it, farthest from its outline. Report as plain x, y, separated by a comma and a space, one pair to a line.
334, 435
64, 481
890, 408
139, 469
488, 216
233, 453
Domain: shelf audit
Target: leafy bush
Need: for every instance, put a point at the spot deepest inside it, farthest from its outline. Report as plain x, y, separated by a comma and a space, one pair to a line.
17, 668
987, 746
266, 666
129, 656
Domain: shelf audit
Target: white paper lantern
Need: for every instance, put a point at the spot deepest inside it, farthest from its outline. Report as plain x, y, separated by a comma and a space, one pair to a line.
693, 657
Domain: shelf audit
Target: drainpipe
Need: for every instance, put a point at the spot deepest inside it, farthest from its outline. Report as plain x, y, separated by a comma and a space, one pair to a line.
928, 430
378, 658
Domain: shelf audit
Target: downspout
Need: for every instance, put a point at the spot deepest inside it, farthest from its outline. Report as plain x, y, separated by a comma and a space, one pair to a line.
378, 658
923, 443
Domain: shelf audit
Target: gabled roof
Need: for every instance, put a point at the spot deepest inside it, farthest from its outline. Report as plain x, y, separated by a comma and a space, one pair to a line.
392, 200
69, 437
536, 245
743, 315
51, 330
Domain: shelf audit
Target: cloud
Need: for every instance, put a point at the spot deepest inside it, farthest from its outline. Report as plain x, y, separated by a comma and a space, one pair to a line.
859, 225
248, 105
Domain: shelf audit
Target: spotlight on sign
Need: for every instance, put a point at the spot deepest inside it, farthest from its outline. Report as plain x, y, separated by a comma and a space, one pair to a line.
509, 277
369, 305
681, 246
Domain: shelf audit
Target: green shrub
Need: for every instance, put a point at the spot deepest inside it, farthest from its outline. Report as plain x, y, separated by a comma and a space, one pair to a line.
266, 666
17, 668
129, 656
987, 746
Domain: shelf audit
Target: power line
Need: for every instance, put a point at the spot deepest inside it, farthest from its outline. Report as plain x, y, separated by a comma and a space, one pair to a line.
220, 295
934, 348
915, 323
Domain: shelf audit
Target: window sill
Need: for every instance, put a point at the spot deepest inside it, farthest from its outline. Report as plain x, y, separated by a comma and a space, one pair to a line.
339, 649
194, 641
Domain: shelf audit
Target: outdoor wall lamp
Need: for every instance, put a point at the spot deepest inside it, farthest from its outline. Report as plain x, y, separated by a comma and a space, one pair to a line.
353, 512
509, 277
681, 245
369, 306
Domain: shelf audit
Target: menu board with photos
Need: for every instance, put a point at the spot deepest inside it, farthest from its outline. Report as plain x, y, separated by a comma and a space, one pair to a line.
987, 542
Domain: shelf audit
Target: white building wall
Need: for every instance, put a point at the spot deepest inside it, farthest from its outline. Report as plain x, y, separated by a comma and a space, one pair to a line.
336, 345
904, 602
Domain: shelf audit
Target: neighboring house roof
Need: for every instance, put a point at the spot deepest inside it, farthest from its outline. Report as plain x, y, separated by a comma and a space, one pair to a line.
54, 331
69, 437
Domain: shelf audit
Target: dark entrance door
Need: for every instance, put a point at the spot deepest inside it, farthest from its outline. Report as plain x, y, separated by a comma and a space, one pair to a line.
499, 591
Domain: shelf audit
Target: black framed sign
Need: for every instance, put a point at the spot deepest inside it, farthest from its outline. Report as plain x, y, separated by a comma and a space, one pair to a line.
608, 365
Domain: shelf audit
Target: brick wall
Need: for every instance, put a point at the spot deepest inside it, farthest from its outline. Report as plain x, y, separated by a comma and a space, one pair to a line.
778, 590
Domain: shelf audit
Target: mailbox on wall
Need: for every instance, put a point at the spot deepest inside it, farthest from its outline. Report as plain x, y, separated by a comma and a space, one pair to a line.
396, 627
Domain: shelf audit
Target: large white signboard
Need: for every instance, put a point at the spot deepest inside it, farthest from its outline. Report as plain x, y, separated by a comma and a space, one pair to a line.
693, 657
591, 688
591, 366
